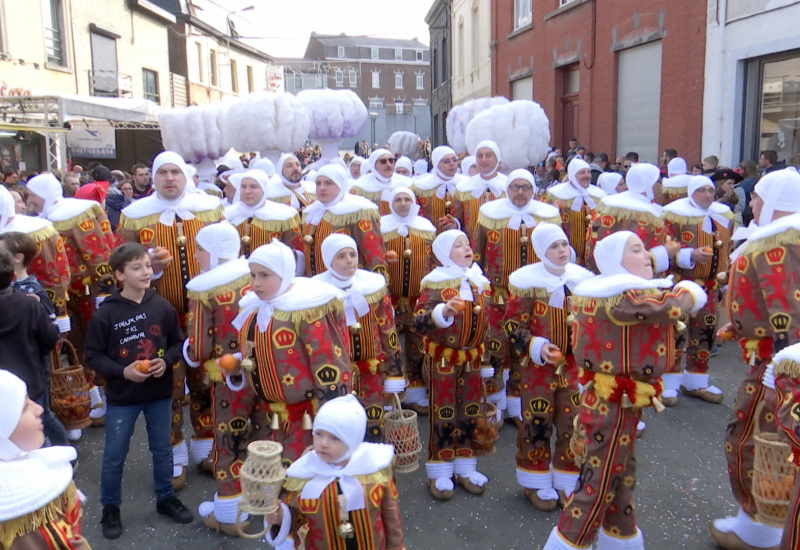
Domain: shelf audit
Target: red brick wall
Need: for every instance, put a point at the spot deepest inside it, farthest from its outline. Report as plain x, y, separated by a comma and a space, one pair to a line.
571, 33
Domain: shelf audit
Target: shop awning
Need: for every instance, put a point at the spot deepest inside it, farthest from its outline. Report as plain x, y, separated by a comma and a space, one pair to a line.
111, 109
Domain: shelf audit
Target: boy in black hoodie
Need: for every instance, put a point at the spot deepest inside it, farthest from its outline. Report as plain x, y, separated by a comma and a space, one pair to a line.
131, 340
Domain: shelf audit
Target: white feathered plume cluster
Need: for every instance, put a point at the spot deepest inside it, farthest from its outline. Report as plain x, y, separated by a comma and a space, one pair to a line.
333, 114
267, 121
459, 116
195, 133
520, 128
404, 143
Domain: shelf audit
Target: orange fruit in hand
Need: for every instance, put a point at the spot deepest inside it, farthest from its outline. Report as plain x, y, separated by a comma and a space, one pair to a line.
726, 334
228, 362
557, 357
143, 366
391, 255
161, 254
458, 304
707, 249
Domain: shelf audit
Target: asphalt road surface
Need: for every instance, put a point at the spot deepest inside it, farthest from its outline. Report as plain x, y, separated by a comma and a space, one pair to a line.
681, 486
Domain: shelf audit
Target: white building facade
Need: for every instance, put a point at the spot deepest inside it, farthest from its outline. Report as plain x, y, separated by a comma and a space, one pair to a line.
471, 33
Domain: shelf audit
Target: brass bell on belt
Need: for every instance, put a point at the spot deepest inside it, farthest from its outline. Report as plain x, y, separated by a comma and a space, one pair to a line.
346, 530
181, 240
248, 365
477, 310
717, 244
448, 204
407, 253
722, 277
246, 240
680, 326
355, 327
308, 239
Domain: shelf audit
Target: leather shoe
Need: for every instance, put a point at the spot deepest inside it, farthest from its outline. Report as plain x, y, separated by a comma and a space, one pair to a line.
180, 481
538, 503
229, 529
704, 394
111, 522
469, 486
174, 509
436, 493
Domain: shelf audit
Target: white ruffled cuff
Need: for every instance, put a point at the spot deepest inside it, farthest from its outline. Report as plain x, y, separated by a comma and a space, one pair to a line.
236, 386
700, 297
535, 349
394, 385
286, 525
514, 407
439, 319
180, 454
193, 364
300, 268
769, 376
157, 276
487, 372
684, 258
201, 450
660, 258
64, 324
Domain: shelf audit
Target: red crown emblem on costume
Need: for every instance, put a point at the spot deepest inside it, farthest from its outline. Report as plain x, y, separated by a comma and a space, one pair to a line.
284, 338
105, 225
449, 293
539, 308
365, 225
607, 220
86, 225
423, 201
146, 235
493, 236
776, 255
687, 236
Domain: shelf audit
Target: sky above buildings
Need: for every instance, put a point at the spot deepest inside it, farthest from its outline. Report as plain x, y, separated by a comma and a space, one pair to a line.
284, 26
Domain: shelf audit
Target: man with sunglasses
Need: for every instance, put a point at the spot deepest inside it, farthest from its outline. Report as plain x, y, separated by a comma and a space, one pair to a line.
502, 244
379, 180
435, 191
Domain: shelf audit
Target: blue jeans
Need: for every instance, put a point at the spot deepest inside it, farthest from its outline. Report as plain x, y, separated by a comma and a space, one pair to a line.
120, 423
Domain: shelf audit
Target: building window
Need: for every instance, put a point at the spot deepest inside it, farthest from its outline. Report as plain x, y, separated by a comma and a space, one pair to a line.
250, 83
420, 82
376, 79
420, 101
572, 81
461, 49
398, 55
340, 51
374, 53
420, 55
772, 108
200, 63
376, 103
54, 39
320, 81
212, 67
353, 77
475, 32
565, 2
523, 14
339, 78
398, 81
234, 77
298, 81
398, 107
150, 85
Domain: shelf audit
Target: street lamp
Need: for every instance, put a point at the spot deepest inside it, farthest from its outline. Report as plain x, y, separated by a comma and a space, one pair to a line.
228, 25
372, 117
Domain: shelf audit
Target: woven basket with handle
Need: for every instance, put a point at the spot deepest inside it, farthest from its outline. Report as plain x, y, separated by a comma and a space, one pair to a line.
773, 475
69, 391
400, 429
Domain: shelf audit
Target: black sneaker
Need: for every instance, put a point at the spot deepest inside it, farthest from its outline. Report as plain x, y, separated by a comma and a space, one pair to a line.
175, 510
112, 525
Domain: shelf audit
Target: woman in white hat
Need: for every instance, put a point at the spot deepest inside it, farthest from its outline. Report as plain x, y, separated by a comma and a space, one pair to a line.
375, 353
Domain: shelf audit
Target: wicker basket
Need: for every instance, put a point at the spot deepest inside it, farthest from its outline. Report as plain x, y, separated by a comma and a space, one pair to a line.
400, 429
486, 430
69, 391
261, 478
773, 475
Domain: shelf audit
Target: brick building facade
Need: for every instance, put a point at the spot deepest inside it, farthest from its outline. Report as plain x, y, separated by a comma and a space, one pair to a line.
610, 74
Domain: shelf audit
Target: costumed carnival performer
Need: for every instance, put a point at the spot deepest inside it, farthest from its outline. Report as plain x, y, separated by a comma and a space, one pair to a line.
337, 211
88, 241
451, 317
376, 359
291, 188
702, 227
295, 347
408, 238
435, 192
622, 306
544, 375
502, 244
676, 184
222, 401
762, 308
40, 507
342, 481
259, 220
379, 180
474, 191
576, 199
167, 222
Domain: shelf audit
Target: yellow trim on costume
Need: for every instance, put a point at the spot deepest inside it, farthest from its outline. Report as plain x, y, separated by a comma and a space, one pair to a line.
438, 285
89, 214
278, 225
788, 367
206, 216
427, 235
296, 484
605, 385
311, 314
280, 408
338, 220
628, 214
213, 372
51, 512
234, 286
44, 233
533, 292
376, 297
499, 225
691, 220
791, 236
453, 356
610, 301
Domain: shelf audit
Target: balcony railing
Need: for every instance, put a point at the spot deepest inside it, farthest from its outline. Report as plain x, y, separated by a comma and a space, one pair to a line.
110, 84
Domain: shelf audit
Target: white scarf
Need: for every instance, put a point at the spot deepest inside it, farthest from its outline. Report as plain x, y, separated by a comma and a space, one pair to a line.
543, 237
401, 224
314, 211
446, 185
368, 458
355, 304
449, 270
582, 193
280, 259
